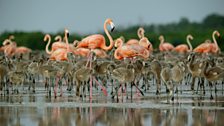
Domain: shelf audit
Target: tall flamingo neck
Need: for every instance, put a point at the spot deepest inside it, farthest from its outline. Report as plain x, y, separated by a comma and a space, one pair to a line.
141, 33
7, 41
109, 36
119, 43
214, 39
66, 40
189, 43
205, 68
47, 37
58, 38
162, 40
116, 56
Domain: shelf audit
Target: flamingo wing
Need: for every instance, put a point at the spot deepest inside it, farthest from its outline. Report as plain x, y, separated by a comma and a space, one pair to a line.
181, 48
92, 41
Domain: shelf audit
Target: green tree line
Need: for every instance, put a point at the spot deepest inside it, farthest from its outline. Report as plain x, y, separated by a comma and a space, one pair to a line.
174, 33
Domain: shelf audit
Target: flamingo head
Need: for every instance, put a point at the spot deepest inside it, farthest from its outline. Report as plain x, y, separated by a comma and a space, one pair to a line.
220, 60
161, 38
58, 38
141, 32
6, 42
191, 37
182, 65
11, 37
191, 56
119, 41
217, 33
67, 32
110, 22
75, 43
46, 37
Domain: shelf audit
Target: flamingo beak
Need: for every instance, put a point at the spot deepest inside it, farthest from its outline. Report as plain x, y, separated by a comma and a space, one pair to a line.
219, 35
149, 46
68, 35
112, 26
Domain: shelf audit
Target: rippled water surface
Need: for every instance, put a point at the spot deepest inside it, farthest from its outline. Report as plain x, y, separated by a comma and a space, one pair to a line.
39, 109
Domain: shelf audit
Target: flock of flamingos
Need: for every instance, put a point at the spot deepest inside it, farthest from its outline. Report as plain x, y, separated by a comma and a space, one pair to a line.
117, 68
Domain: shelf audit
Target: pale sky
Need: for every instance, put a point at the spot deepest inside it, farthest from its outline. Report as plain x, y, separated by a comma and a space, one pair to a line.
87, 16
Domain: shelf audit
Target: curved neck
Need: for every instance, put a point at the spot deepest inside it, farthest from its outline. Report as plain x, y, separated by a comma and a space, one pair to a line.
116, 55
146, 54
214, 40
66, 41
188, 41
75, 43
205, 67
161, 38
58, 38
47, 37
191, 61
141, 33
109, 37
7, 41
119, 42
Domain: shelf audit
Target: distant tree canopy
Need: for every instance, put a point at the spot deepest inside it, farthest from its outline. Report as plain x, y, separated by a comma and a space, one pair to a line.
174, 33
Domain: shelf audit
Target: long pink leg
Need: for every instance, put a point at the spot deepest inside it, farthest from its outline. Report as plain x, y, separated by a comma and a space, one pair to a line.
101, 86
91, 78
89, 59
91, 86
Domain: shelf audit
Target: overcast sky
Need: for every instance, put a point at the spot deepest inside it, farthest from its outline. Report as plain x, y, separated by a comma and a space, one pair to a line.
87, 16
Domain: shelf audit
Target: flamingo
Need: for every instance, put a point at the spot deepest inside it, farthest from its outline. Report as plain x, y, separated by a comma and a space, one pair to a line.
129, 51
183, 48
10, 48
140, 34
84, 52
212, 74
60, 53
208, 47
20, 49
164, 46
98, 40
59, 43
143, 40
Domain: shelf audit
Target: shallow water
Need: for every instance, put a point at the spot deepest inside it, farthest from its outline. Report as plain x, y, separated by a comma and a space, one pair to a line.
39, 109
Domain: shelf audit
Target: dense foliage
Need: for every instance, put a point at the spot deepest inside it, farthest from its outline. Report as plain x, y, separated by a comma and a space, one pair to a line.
173, 32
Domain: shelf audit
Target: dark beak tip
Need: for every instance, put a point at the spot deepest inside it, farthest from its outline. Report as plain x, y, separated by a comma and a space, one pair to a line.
68, 35
112, 29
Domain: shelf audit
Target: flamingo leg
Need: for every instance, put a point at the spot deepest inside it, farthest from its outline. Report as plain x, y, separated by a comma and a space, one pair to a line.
101, 86
91, 87
89, 59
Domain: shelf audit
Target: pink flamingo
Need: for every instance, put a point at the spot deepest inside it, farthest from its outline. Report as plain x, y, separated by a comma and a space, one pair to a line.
165, 46
129, 51
97, 40
60, 53
208, 47
183, 48
11, 49
143, 40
